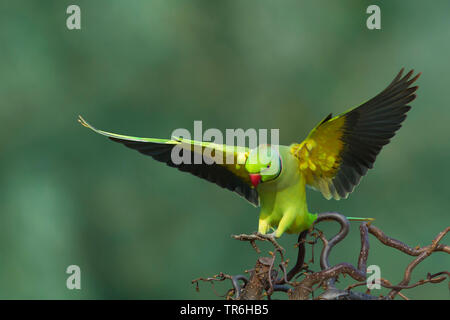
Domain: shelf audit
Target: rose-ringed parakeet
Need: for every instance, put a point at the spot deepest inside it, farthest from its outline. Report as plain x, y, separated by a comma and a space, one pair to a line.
332, 159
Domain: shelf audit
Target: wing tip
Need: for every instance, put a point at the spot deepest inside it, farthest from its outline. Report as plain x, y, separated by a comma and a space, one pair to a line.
408, 76
84, 123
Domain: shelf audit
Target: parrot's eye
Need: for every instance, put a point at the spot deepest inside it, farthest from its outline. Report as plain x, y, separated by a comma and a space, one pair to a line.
268, 166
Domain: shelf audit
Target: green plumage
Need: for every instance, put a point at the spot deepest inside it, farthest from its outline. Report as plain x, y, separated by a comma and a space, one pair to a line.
332, 159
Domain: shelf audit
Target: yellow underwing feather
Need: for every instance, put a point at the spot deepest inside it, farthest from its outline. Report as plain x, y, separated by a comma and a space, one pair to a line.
320, 153
340, 150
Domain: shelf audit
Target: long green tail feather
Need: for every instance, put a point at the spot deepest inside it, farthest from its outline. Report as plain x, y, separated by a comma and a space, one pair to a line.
360, 219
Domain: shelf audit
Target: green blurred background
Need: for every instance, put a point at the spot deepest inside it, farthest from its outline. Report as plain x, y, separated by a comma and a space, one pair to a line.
139, 229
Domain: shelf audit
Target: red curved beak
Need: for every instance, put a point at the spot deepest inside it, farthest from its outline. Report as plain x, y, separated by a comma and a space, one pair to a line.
255, 178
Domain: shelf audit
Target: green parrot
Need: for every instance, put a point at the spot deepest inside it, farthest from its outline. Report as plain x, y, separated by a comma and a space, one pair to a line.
332, 159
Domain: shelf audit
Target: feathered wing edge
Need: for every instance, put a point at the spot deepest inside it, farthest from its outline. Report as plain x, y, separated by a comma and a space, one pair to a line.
368, 128
340, 150
161, 150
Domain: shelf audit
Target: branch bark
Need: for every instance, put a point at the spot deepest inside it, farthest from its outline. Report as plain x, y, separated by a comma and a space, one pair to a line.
264, 279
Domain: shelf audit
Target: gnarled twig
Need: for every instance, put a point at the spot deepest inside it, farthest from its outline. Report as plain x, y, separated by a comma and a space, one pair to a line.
264, 279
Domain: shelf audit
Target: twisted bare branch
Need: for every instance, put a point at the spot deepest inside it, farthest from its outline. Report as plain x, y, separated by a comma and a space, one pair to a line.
266, 278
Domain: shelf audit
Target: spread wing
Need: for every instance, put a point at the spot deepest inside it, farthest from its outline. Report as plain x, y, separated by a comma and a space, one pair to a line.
340, 150
224, 164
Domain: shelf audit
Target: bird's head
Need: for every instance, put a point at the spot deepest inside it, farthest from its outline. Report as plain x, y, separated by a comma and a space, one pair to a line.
263, 164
